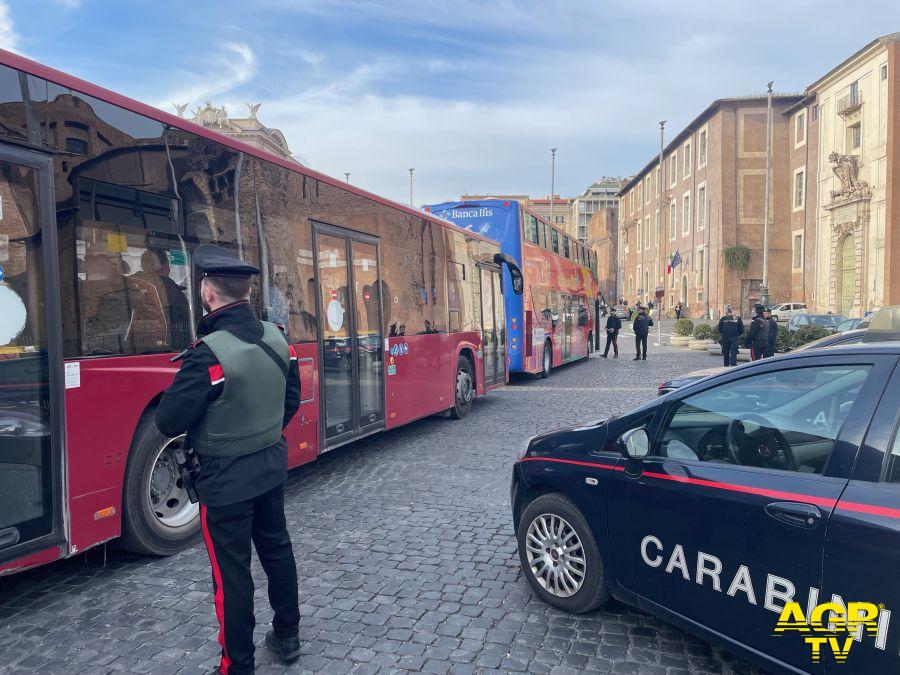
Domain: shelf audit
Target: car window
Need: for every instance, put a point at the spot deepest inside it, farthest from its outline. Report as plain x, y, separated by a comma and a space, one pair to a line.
784, 420
893, 470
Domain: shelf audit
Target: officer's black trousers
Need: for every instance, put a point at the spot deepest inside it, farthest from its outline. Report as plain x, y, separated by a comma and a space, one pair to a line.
228, 531
640, 342
730, 351
612, 339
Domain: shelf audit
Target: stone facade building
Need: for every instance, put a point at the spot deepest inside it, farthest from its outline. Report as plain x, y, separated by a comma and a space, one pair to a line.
713, 187
856, 164
602, 194
562, 211
247, 129
602, 238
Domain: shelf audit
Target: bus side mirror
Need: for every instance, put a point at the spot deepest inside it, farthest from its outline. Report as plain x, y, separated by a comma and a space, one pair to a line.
635, 444
514, 271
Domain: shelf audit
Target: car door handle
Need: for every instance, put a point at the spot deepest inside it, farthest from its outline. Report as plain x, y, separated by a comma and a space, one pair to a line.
797, 514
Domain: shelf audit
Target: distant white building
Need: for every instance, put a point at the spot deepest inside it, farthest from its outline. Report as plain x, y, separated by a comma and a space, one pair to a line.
602, 194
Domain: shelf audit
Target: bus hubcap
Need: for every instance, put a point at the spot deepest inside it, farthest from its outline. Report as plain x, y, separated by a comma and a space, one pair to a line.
169, 501
555, 555
463, 387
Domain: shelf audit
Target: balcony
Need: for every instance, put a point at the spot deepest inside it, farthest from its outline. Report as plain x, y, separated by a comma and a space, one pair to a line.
850, 104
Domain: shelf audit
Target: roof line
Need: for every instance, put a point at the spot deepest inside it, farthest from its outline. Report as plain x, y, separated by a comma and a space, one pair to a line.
18, 62
883, 40
681, 135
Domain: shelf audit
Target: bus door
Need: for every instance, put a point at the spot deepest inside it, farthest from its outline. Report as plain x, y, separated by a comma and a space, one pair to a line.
566, 318
31, 380
493, 326
350, 347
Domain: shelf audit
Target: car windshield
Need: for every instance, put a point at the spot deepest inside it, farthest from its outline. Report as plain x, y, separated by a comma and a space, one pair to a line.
827, 320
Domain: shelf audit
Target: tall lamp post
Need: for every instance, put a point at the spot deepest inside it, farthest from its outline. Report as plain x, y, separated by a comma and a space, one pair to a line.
347, 176
764, 289
410, 187
552, 179
659, 232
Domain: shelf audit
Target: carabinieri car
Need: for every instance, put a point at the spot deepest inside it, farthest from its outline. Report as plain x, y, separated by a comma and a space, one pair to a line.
718, 505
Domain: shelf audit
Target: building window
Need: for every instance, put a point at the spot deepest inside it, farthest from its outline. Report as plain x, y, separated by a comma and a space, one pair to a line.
656, 229
854, 92
673, 211
698, 265
640, 236
799, 188
76, 146
800, 129
701, 149
647, 232
815, 112
884, 71
686, 160
854, 138
701, 207
648, 189
673, 169
640, 188
631, 201
797, 251
686, 214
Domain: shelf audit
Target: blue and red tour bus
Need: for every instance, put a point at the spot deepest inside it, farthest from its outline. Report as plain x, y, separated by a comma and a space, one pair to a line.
552, 322
393, 313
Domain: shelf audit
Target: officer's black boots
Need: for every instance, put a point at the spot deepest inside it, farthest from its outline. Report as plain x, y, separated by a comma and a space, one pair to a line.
286, 649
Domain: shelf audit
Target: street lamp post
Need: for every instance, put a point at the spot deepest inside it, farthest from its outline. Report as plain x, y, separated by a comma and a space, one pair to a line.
410, 187
659, 232
347, 176
552, 179
764, 289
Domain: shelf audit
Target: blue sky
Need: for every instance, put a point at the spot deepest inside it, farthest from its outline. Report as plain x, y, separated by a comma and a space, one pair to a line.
471, 94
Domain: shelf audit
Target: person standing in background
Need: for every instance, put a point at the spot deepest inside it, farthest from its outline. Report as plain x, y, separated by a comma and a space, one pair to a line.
758, 337
641, 326
773, 333
613, 326
730, 330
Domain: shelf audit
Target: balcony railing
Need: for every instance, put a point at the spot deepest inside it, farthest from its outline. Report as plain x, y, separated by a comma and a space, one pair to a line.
849, 104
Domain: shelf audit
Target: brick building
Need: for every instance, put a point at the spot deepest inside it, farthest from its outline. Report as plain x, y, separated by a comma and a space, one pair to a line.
602, 238
713, 187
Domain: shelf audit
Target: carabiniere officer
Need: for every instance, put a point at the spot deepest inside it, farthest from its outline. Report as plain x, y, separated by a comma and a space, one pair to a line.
236, 391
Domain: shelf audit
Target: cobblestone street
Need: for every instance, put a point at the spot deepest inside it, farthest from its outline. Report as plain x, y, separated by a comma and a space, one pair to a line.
406, 556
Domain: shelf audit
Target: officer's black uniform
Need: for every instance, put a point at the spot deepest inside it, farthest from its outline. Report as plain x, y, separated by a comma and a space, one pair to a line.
730, 330
641, 326
773, 334
241, 497
613, 326
758, 336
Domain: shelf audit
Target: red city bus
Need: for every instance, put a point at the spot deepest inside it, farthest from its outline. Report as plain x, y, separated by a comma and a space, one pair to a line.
394, 314
552, 323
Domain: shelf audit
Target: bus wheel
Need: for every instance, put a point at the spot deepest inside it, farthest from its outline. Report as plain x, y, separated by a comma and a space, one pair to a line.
559, 555
547, 361
158, 518
465, 389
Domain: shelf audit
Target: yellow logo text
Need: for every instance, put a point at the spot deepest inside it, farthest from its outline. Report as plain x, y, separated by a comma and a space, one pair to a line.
830, 627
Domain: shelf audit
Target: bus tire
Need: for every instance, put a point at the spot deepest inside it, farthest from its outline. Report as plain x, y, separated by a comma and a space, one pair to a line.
547, 361
157, 516
542, 553
463, 388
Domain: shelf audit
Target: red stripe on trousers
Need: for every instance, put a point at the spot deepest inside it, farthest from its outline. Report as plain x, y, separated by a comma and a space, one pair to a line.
219, 597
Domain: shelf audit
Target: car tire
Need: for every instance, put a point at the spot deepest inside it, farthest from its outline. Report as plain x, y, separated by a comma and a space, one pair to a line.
592, 591
546, 361
463, 389
149, 471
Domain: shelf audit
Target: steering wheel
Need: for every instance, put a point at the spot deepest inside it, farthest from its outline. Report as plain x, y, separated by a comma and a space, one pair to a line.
750, 436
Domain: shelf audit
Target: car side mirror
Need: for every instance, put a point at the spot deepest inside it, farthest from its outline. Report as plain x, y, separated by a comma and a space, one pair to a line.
635, 443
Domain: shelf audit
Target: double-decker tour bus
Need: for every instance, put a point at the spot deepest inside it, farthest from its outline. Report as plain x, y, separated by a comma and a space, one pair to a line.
393, 313
552, 323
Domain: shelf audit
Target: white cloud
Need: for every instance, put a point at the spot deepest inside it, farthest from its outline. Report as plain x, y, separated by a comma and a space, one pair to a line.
9, 39
233, 65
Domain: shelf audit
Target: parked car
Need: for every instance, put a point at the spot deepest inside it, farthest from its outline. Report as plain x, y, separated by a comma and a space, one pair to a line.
622, 312
713, 508
826, 321
849, 324
785, 310
850, 337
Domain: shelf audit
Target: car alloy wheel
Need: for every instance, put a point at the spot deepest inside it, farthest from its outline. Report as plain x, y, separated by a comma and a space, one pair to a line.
555, 555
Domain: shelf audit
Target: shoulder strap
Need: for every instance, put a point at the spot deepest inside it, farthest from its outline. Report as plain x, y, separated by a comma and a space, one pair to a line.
271, 353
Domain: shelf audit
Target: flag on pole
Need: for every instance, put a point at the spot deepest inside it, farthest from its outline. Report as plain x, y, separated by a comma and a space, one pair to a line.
674, 262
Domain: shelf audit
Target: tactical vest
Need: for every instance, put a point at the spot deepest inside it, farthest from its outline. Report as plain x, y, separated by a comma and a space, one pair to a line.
247, 416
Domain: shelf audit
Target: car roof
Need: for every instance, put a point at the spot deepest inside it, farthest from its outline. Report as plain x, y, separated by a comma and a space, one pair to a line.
891, 347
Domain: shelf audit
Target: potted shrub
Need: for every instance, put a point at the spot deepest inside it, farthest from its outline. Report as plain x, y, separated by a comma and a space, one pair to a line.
684, 329
701, 337
714, 347
807, 334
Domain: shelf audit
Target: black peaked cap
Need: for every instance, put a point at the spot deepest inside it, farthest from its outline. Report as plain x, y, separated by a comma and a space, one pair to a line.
214, 260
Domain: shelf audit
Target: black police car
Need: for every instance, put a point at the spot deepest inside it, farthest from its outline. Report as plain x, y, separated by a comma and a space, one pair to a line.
714, 507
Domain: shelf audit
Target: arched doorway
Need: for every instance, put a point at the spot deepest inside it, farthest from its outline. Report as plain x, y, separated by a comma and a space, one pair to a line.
847, 274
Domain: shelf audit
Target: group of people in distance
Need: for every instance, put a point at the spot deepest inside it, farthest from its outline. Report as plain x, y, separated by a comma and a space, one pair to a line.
640, 324
760, 338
